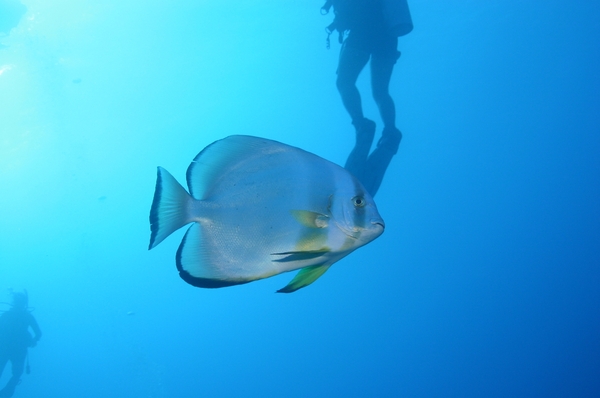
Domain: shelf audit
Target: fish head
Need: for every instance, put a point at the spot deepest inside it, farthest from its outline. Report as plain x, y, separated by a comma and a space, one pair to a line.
355, 214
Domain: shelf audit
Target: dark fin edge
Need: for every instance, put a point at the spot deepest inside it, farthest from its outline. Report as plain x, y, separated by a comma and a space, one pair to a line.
205, 282
154, 209
199, 282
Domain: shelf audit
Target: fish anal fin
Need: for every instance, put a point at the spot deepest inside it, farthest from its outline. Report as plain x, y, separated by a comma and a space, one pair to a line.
305, 277
195, 265
207, 283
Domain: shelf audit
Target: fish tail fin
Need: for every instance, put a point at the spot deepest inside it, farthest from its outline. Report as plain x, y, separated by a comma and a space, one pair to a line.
169, 207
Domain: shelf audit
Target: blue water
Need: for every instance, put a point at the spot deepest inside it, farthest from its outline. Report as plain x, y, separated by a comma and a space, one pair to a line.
486, 282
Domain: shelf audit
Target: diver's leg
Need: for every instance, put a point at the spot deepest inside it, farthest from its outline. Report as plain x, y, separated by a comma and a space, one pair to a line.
18, 365
3, 362
381, 74
380, 158
351, 63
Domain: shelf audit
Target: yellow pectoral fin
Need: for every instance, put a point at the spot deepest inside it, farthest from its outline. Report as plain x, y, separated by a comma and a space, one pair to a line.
312, 240
311, 219
305, 277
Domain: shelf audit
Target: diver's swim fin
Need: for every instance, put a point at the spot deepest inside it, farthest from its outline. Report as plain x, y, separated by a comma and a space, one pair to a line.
380, 159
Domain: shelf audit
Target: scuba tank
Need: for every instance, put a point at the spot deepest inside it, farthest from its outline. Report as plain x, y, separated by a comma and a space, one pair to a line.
397, 17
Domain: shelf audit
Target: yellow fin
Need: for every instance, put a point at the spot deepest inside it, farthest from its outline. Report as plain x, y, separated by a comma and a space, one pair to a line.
311, 219
305, 277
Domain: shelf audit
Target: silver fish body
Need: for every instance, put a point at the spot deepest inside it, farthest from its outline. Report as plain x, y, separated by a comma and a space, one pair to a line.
260, 208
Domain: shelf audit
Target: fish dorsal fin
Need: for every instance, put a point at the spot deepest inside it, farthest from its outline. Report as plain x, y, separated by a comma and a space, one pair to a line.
220, 157
305, 277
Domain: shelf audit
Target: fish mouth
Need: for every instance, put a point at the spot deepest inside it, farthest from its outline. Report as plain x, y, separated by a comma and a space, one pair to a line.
377, 228
379, 223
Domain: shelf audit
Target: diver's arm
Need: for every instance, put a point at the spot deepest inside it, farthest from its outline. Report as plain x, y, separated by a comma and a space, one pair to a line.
36, 329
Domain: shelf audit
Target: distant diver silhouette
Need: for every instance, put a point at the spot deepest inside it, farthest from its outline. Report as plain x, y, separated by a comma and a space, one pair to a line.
15, 339
371, 29
11, 12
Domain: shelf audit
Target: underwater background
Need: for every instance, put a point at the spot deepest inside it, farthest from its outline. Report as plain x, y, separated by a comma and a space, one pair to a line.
486, 282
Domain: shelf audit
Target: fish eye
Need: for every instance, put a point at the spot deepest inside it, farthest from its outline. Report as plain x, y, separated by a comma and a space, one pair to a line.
358, 201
